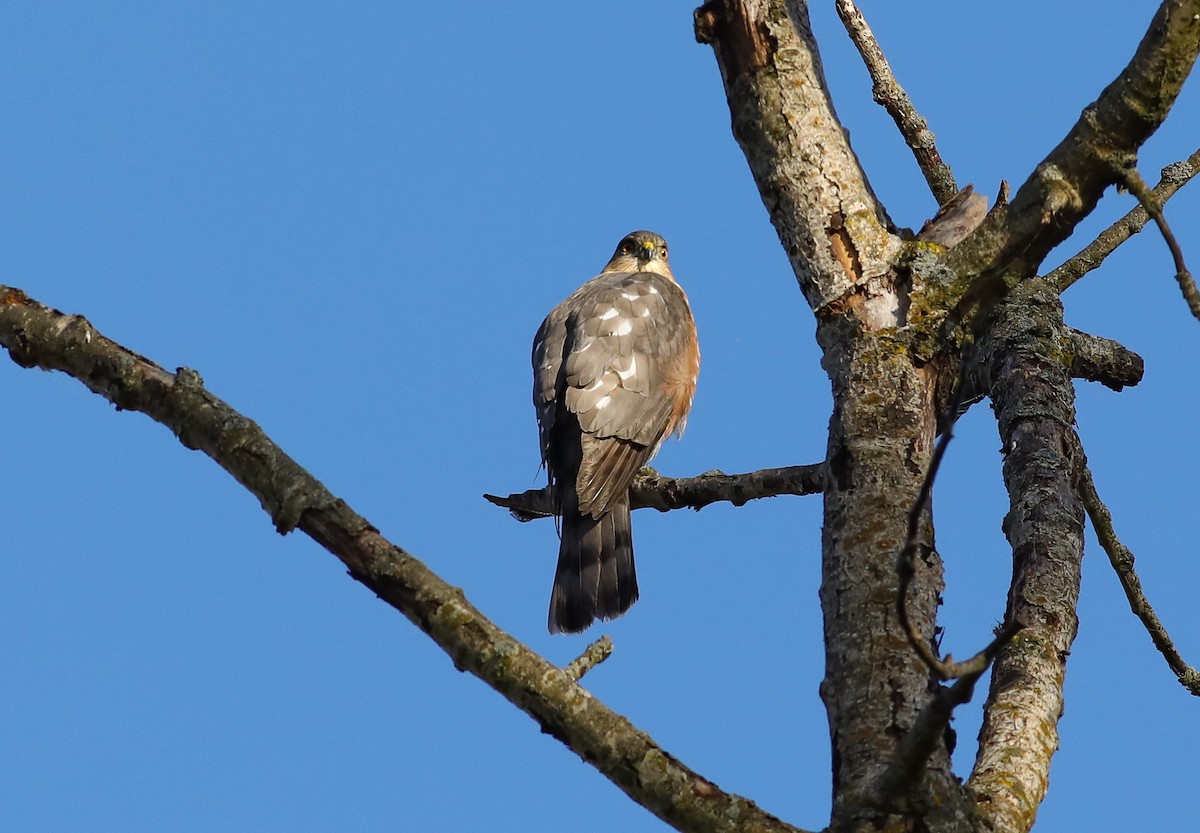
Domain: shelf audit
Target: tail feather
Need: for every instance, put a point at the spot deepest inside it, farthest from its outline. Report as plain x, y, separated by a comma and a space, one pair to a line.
595, 576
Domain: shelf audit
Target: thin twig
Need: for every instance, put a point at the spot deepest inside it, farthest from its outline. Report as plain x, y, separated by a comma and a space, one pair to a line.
904, 562
593, 655
1122, 561
1173, 177
908, 762
652, 491
1137, 186
943, 669
888, 92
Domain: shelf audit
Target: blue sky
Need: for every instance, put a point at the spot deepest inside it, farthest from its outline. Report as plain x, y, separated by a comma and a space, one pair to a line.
350, 219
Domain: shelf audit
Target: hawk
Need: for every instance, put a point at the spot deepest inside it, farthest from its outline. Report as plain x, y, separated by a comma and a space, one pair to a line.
614, 371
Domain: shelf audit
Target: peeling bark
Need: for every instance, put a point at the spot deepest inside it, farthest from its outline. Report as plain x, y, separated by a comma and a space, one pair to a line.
835, 232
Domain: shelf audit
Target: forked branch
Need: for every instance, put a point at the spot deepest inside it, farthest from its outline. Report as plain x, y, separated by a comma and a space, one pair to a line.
908, 763
1174, 177
1011, 244
1137, 186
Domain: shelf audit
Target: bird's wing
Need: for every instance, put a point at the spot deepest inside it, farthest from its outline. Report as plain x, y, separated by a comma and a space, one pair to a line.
604, 356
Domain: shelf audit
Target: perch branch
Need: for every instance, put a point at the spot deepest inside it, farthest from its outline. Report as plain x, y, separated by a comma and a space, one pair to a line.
37, 336
888, 92
1122, 561
1173, 177
651, 490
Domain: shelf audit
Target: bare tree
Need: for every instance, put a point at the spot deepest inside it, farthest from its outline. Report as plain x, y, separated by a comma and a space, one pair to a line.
913, 329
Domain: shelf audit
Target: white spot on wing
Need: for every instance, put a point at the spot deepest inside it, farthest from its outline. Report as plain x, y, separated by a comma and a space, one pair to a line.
611, 312
654, 290
629, 371
630, 296
602, 401
624, 327
645, 312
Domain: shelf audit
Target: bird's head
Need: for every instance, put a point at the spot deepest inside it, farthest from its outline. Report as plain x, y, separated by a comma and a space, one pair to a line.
641, 251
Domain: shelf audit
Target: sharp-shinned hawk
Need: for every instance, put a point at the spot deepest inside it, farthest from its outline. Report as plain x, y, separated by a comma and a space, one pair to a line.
614, 371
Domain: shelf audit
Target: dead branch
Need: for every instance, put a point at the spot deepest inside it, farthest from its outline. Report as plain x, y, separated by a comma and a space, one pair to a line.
1137, 186
37, 336
593, 655
1103, 360
908, 763
888, 92
653, 491
1064, 188
1122, 562
1093, 359
1033, 397
1173, 177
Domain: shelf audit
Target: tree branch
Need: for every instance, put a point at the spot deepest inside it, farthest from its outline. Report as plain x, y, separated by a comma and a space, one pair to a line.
1137, 186
907, 766
1033, 397
836, 234
1103, 360
596, 653
1122, 562
1173, 177
947, 668
844, 251
651, 490
888, 92
1092, 358
37, 336
1012, 243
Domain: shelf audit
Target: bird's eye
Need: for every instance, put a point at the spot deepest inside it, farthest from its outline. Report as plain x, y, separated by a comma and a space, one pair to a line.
626, 248
662, 252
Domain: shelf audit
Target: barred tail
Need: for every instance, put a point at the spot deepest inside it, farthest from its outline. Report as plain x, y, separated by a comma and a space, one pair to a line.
595, 576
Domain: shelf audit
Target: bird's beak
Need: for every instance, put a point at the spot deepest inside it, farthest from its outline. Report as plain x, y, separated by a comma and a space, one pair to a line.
649, 251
